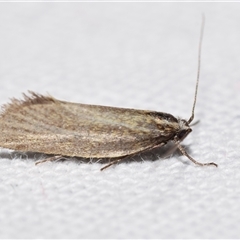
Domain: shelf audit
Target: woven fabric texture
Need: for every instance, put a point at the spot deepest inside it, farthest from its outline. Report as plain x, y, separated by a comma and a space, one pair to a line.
136, 55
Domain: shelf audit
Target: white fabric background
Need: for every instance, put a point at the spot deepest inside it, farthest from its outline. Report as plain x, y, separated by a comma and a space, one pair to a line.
138, 55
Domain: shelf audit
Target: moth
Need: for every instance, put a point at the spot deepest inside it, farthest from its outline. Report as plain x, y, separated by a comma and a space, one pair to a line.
44, 124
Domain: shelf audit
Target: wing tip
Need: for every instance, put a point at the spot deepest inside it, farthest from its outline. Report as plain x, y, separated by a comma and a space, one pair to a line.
31, 98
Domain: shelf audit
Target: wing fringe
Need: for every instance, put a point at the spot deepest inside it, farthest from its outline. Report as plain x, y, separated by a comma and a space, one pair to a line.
31, 99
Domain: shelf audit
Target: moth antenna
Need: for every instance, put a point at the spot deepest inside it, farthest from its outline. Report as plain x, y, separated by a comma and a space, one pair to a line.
198, 72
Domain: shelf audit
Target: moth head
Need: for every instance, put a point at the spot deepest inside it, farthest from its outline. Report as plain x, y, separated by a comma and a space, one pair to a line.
184, 129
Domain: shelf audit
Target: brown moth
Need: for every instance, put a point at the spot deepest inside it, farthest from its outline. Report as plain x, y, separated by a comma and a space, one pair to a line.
46, 125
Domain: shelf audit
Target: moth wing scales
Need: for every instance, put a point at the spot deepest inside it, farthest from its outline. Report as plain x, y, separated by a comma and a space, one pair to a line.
67, 147
44, 124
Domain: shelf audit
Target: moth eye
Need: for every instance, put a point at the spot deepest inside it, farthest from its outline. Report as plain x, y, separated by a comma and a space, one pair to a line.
182, 134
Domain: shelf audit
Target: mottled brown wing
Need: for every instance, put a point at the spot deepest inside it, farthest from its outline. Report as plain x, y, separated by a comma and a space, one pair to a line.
44, 124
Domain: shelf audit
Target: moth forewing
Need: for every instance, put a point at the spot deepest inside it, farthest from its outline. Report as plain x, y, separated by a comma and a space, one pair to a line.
44, 124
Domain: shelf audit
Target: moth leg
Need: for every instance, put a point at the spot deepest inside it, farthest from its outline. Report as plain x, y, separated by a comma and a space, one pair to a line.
54, 158
115, 161
170, 151
112, 163
182, 150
